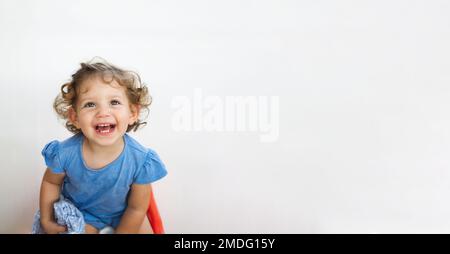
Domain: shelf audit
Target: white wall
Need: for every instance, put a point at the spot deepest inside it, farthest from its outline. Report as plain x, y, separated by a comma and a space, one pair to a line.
363, 87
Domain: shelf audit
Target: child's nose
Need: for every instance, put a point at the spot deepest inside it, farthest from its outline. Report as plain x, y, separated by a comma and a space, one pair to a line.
103, 111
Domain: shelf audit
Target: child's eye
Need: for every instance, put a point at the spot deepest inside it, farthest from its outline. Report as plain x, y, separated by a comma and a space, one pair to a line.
88, 105
115, 102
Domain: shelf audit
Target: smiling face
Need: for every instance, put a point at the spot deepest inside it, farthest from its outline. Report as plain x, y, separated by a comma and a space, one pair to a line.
103, 111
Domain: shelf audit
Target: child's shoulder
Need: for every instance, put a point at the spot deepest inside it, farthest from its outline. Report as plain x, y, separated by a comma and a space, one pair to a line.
134, 145
149, 166
75, 140
57, 152
66, 144
138, 148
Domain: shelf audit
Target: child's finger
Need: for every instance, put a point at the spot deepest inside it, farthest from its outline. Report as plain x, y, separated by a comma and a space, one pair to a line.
62, 229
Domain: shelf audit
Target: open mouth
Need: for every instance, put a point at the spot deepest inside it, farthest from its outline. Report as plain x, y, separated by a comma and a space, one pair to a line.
105, 128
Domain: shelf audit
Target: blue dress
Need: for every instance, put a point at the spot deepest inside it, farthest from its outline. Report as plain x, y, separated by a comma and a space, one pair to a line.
101, 194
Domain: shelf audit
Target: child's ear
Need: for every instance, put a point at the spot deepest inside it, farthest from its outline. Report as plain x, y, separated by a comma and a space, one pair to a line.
73, 117
135, 109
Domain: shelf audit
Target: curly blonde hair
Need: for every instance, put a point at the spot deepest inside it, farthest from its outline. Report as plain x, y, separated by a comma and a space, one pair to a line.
137, 92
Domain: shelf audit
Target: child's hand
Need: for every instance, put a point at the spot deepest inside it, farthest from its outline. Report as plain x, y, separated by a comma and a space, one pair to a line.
51, 227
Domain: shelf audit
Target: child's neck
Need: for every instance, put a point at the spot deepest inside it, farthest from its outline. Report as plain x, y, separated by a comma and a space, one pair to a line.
99, 156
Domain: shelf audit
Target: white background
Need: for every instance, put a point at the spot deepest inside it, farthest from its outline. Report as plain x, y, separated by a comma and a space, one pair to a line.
364, 117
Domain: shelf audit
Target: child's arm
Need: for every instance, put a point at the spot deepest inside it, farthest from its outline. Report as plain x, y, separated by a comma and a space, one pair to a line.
135, 213
50, 191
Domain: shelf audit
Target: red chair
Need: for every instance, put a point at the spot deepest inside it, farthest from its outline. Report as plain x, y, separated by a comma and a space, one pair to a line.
153, 216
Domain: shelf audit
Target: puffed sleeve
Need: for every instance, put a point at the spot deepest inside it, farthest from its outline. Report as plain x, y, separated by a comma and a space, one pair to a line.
152, 170
52, 157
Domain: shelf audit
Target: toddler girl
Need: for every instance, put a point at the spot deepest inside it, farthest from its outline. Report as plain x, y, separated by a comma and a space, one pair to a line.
101, 170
